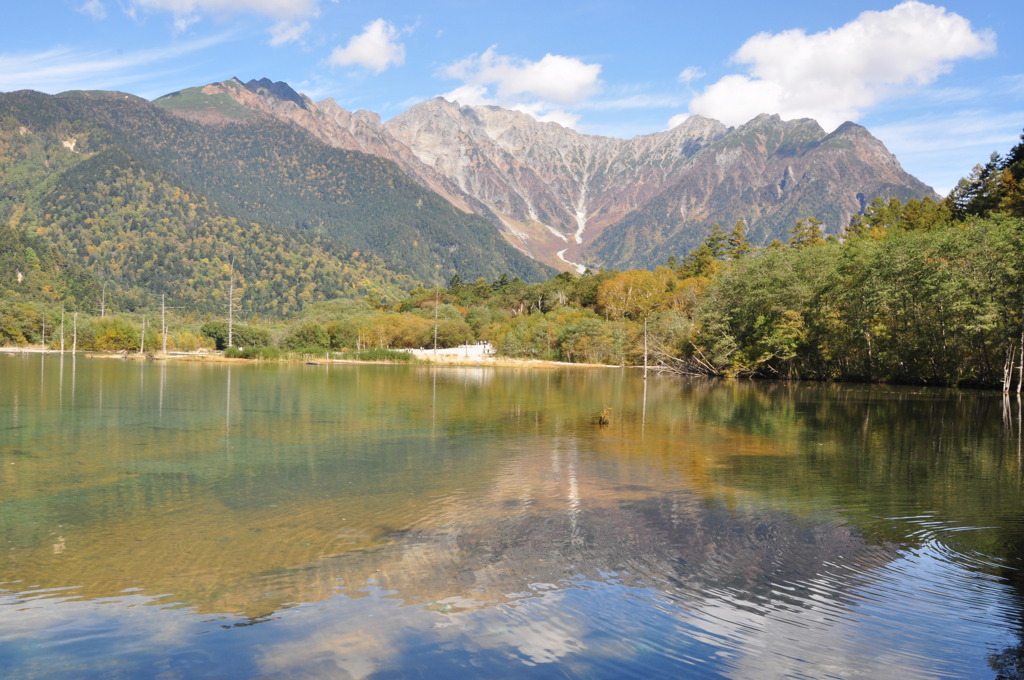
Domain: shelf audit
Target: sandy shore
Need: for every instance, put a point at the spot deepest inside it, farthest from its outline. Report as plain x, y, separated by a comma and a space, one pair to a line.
30, 350
466, 355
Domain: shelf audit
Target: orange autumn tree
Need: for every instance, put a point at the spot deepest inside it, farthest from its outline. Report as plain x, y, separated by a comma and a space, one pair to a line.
634, 295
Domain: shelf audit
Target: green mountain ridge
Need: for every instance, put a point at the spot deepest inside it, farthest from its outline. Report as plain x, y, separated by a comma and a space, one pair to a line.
218, 106
133, 193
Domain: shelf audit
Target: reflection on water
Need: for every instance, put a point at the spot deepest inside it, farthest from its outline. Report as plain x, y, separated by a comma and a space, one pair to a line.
240, 521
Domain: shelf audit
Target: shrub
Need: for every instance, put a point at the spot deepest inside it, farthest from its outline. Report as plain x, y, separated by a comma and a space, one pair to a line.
388, 355
307, 336
116, 334
241, 336
264, 353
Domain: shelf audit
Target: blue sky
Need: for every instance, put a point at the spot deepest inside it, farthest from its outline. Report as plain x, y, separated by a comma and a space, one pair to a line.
941, 85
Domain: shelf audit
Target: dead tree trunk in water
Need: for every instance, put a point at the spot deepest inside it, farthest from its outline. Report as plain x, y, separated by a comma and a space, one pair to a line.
1011, 354
645, 349
1020, 374
231, 304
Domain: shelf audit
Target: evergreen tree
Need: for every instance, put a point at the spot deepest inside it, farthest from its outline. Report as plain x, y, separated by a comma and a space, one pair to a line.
717, 241
975, 194
738, 244
1014, 161
501, 282
699, 262
806, 233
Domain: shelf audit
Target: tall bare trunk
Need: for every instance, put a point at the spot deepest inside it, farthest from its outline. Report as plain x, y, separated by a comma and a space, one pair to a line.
1011, 353
437, 303
163, 321
645, 348
231, 304
1020, 373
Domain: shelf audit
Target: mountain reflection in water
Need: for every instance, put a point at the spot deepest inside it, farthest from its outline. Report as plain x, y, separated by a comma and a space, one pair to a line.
408, 522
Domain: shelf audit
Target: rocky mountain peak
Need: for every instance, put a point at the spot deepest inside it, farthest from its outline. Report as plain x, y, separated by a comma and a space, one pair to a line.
763, 119
570, 199
807, 129
279, 90
852, 130
697, 126
329, 105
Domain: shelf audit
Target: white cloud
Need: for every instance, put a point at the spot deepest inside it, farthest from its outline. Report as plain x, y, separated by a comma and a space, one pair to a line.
60, 69
635, 101
287, 31
188, 12
376, 48
183, 21
94, 8
676, 120
555, 78
280, 9
544, 114
837, 75
690, 73
470, 95
539, 88
477, 95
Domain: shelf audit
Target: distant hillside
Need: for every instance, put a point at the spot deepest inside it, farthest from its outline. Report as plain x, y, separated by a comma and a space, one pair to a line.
160, 203
132, 225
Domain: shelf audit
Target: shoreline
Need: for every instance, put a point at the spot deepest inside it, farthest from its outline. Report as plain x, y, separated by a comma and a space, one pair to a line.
450, 359
421, 357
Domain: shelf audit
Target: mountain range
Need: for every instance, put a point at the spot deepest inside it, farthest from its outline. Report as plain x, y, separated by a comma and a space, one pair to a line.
567, 198
155, 204
295, 201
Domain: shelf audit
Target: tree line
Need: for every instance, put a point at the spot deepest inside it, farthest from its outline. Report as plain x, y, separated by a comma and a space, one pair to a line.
922, 291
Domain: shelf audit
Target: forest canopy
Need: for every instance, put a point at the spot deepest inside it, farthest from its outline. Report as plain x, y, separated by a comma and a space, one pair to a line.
922, 291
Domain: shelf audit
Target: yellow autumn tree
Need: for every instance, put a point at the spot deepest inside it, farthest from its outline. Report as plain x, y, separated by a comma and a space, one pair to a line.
634, 295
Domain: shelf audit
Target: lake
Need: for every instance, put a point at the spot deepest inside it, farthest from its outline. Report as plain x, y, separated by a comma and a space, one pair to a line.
192, 520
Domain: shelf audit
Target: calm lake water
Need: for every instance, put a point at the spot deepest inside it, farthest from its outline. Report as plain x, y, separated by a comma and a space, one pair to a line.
298, 521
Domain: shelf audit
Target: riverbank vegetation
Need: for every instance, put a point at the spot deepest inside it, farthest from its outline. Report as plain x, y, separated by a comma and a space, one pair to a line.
924, 292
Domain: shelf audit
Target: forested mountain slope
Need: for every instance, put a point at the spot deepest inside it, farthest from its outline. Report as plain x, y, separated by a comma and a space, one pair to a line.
160, 204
